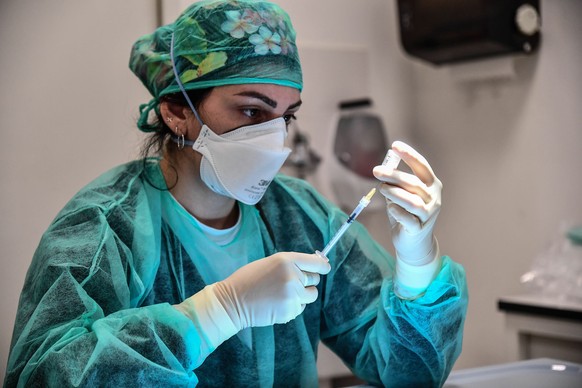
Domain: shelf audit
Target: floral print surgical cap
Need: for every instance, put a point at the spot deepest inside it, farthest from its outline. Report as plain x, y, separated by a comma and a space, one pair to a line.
217, 42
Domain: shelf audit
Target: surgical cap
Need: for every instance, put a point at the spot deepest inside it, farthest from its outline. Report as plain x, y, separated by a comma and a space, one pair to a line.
215, 43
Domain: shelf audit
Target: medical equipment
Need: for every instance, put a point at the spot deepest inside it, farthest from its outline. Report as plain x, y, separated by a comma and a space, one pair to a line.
360, 141
365, 201
391, 159
477, 29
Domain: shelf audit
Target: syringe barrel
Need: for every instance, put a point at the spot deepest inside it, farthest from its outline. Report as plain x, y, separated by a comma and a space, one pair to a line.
365, 201
359, 208
335, 238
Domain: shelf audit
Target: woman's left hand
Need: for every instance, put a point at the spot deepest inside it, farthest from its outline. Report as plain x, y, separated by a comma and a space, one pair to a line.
413, 202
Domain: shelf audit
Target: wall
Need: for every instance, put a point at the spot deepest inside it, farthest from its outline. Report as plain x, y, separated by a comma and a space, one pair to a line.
68, 105
509, 153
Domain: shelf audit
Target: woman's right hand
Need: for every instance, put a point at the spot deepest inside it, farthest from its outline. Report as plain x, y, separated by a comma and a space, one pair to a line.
272, 290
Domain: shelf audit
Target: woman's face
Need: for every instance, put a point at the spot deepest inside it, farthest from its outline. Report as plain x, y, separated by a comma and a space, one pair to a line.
230, 107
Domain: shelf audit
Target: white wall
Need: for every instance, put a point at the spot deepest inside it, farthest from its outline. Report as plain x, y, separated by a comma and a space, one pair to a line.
509, 153
68, 105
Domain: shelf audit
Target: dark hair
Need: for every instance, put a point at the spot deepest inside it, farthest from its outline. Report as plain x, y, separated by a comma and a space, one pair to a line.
159, 139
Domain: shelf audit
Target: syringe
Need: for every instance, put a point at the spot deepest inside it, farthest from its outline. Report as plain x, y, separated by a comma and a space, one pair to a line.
365, 201
390, 160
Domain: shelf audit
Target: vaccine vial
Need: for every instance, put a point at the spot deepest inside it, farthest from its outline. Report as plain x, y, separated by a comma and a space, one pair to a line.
391, 160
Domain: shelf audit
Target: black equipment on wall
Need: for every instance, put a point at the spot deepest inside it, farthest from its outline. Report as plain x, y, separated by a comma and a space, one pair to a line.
447, 31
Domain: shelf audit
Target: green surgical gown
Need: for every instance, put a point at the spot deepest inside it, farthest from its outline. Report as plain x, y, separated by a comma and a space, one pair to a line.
96, 306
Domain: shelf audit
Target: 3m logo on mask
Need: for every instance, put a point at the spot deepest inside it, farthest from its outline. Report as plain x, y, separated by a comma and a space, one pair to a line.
264, 183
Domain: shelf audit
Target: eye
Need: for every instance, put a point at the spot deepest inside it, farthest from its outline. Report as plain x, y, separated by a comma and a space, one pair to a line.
251, 112
288, 118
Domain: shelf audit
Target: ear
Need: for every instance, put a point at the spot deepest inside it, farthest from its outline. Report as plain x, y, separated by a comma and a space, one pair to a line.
175, 116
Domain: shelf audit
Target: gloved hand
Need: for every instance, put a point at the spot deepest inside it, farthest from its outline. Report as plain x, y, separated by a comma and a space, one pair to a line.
413, 204
272, 290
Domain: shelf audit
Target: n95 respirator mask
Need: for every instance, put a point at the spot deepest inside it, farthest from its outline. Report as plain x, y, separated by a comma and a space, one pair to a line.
241, 164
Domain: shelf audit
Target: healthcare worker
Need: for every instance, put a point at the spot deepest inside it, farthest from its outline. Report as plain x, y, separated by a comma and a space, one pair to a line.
197, 266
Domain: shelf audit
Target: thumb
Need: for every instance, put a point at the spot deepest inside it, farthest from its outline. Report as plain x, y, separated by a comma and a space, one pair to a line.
311, 263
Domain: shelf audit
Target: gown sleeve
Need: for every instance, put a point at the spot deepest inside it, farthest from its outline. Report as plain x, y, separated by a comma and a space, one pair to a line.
382, 338
79, 322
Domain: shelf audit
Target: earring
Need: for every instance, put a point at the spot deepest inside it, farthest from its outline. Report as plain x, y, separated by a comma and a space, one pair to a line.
181, 140
169, 119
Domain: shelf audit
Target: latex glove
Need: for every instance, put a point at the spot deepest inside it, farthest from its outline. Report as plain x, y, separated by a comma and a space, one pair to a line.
272, 290
413, 204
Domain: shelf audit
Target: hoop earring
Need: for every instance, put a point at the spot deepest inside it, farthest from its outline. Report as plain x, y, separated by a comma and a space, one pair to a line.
181, 140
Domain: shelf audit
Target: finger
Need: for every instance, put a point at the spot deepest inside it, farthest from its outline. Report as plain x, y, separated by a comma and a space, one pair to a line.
308, 295
321, 255
310, 279
415, 161
311, 263
404, 180
410, 202
409, 222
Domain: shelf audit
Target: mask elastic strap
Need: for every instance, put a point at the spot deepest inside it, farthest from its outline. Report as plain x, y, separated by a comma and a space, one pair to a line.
182, 142
180, 82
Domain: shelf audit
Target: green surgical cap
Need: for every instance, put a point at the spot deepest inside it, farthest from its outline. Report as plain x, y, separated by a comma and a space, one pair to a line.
216, 43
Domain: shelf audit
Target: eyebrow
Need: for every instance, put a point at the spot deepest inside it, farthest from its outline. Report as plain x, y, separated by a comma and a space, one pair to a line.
272, 103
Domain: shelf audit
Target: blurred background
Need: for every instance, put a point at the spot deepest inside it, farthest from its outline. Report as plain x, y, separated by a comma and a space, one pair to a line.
503, 133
